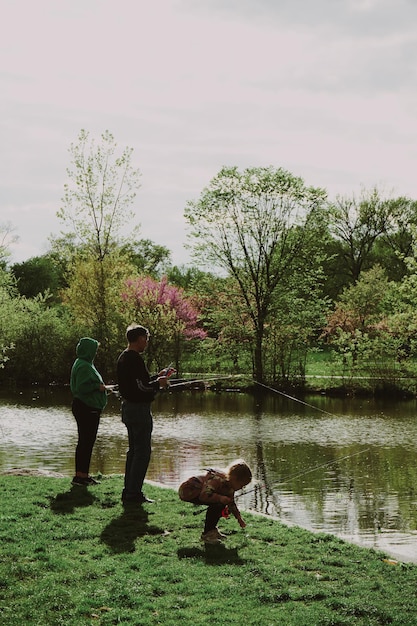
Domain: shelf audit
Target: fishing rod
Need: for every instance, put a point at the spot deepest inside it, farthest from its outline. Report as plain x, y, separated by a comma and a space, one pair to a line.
209, 379
202, 380
114, 389
230, 376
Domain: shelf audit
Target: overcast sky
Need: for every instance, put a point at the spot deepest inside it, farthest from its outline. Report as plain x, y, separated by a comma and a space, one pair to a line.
325, 89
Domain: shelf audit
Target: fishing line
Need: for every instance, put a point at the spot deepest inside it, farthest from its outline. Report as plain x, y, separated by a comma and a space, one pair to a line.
214, 378
255, 488
296, 399
322, 411
238, 495
292, 476
313, 469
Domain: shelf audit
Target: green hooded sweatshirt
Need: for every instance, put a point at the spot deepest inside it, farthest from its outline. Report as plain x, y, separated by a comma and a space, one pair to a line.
85, 379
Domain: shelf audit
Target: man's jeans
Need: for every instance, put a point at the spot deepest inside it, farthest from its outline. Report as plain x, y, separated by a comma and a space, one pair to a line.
137, 418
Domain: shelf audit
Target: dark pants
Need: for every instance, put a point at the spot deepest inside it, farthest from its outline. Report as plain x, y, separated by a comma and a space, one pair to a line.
213, 514
87, 419
137, 418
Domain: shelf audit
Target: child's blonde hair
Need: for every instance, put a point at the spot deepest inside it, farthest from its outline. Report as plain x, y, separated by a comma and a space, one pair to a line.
240, 470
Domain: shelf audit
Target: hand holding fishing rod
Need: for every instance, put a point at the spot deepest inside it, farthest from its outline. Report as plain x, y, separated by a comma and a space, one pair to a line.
112, 389
165, 374
168, 371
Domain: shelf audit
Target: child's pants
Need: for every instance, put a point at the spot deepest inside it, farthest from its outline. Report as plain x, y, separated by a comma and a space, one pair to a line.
213, 514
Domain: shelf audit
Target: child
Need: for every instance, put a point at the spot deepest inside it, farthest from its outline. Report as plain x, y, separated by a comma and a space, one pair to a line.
217, 488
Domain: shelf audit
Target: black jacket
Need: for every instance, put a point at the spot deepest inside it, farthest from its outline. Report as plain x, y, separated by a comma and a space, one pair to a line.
135, 382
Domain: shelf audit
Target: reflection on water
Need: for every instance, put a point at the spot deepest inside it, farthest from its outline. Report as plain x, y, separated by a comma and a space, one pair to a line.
351, 471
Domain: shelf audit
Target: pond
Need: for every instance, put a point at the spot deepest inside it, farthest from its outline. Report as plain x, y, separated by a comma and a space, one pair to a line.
341, 466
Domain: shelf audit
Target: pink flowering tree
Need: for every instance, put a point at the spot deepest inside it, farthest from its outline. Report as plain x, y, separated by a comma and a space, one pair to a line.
167, 312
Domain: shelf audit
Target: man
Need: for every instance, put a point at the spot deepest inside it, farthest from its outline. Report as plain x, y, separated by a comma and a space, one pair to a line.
137, 389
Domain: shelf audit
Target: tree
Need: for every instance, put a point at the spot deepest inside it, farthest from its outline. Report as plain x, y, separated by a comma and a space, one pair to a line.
148, 257
361, 305
97, 200
37, 275
294, 326
6, 239
162, 308
403, 319
364, 326
397, 243
357, 224
44, 345
256, 226
97, 207
225, 318
93, 297
9, 315
36, 341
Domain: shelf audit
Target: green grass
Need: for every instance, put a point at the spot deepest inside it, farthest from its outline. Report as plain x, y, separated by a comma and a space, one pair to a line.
74, 556
320, 363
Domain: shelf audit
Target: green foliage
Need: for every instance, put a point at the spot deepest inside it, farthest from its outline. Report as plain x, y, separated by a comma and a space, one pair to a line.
97, 200
93, 297
241, 220
357, 223
282, 251
231, 325
374, 329
147, 257
191, 279
397, 244
9, 316
43, 343
39, 275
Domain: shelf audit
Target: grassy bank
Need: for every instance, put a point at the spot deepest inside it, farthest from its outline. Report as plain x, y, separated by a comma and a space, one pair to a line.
74, 556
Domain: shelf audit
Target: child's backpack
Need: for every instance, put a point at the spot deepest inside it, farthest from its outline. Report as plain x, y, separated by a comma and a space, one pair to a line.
190, 489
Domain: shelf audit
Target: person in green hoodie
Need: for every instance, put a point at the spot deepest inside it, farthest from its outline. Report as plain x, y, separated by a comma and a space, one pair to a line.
89, 399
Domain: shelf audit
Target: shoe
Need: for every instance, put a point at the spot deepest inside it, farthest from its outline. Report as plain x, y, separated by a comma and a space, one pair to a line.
92, 481
219, 534
143, 498
211, 537
84, 482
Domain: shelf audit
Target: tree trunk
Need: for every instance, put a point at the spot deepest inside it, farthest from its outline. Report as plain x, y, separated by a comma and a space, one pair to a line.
258, 354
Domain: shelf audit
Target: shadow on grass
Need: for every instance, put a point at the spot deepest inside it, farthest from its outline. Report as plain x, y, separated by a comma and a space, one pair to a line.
77, 496
212, 555
121, 533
